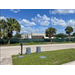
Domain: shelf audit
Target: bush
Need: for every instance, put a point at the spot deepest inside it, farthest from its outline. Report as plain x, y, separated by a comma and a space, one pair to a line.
14, 40
1, 41
31, 43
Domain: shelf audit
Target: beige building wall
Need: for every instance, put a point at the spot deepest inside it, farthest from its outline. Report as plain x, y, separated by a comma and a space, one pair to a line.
30, 35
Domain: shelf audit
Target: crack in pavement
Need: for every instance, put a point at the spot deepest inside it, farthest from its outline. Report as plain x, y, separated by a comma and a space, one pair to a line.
6, 61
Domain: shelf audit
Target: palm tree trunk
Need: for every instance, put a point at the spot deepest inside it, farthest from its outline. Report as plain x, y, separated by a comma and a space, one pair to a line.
9, 41
0, 33
10, 37
69, 38
51, 39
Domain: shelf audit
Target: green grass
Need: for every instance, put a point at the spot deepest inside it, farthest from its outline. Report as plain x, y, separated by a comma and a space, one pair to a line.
52, 58
30, 43
37, 43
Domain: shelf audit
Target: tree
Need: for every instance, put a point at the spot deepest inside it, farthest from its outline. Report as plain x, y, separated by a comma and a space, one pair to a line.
3, 25
50, 32
73, 35
12, 25
61, 35
47, 32
17, 35
69, 30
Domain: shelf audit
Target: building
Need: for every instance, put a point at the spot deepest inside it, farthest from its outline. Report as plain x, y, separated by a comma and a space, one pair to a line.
33, 35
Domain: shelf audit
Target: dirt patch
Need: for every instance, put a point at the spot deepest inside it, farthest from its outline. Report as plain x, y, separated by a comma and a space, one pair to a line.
44, 52
56, 62
14, 57
59, 61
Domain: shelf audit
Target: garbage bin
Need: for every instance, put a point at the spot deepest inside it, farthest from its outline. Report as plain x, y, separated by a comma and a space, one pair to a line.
38, 49
28, 50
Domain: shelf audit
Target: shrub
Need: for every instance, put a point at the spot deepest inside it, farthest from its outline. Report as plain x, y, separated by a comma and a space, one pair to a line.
31, 43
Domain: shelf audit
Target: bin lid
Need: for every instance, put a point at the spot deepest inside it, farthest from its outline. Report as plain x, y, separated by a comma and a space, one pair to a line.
42, 57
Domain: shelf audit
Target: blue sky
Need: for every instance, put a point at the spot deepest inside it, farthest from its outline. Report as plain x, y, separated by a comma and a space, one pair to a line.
38, 20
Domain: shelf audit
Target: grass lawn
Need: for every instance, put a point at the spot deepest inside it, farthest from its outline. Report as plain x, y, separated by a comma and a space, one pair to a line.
37, 43
52, 58
30, 43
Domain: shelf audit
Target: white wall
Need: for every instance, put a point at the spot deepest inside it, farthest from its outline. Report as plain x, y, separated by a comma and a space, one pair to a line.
29, 35
38, 34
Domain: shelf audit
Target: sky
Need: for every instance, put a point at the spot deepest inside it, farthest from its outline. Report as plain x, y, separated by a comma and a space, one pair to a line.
38, 20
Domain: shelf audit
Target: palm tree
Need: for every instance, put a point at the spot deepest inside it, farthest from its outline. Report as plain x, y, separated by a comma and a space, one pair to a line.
69, 30
12, 25
61, 35
50, 32
2, 26
17, 35
73, 35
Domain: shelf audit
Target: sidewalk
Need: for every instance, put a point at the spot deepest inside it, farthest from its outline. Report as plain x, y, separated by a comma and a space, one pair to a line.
6, 61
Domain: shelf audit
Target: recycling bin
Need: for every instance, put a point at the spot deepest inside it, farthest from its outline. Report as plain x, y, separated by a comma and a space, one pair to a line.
38, 49
28, 50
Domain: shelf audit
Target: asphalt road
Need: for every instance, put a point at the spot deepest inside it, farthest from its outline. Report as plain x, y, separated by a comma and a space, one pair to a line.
7, 51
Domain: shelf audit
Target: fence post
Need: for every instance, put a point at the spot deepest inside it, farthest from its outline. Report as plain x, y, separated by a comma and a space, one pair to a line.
21, 51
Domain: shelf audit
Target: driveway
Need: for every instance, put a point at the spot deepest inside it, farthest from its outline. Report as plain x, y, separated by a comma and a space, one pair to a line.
7, 51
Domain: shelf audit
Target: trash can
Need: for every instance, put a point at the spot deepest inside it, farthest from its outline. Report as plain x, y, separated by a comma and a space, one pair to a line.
38, 49
28, 50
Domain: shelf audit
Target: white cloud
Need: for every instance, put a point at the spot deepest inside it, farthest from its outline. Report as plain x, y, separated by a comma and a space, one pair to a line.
15, 10
27, 23
42, 20
62, 11
70, 23
2, 17
39, 15
30, 30
61, 22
